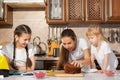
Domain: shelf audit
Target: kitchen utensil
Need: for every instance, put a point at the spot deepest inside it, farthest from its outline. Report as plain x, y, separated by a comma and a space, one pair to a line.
38, 49
118, 35
111, 36
53, 43
51, 46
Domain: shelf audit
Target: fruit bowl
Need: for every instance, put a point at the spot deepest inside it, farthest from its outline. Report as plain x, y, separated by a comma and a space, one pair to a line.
39, 74
109, 73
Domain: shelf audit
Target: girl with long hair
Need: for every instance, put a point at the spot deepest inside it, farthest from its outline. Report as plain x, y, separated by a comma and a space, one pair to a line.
20, 53
73, 50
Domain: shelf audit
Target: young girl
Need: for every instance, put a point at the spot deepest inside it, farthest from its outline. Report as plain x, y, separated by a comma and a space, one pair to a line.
73, 50
20, 53
100, 50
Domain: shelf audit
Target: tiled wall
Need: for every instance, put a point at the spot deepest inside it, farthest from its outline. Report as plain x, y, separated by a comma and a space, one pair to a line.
36, 21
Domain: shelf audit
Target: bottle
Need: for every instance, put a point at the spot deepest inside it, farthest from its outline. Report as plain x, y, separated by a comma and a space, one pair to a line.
1, 50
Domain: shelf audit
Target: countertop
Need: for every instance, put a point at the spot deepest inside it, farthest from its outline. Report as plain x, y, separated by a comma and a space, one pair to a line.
46, 58
87, 76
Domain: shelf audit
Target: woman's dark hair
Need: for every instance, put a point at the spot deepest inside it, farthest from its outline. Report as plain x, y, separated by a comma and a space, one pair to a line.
18, 31
68, 33
64, 53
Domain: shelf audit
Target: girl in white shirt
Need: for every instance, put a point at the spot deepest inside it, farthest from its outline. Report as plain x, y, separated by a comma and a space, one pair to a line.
100, 50
20, 53
73, 50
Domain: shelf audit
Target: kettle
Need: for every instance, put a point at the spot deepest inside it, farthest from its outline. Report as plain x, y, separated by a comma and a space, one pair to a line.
37, 48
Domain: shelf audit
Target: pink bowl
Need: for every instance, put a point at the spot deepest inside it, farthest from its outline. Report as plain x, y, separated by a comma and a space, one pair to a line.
109, 73
39, 74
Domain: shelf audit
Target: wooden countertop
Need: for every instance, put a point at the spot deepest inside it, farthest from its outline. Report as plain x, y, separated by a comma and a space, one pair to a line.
46, 58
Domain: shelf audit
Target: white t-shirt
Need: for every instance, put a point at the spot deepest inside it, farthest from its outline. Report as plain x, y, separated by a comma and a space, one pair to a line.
78, 54
20, 55
99, 55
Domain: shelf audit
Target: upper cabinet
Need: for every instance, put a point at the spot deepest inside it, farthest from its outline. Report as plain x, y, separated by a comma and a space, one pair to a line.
112, 10
55, 11
72, 11
94, 10
75, 11
7, 18
1, 9
17, 4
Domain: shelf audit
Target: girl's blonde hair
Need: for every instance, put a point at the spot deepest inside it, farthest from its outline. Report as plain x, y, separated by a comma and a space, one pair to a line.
95, 30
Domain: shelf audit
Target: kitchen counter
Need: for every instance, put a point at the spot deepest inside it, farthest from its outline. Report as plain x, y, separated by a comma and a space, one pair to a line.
87, 76
47, 62
46, 58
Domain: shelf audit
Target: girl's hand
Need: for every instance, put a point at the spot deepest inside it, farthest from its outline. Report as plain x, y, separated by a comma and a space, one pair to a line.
100, 71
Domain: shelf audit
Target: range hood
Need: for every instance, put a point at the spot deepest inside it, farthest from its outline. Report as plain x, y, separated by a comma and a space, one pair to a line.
25, 3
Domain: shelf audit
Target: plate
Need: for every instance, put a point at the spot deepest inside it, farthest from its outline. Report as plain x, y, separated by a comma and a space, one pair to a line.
90, 70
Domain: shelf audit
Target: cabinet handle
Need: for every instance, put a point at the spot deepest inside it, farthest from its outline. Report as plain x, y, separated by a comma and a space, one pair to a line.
110, 8
82, 10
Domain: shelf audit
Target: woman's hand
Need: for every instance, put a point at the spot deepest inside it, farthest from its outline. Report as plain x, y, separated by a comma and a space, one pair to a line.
100, 71
77, 63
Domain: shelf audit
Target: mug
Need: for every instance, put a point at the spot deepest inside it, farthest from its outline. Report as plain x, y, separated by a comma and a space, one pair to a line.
55, 52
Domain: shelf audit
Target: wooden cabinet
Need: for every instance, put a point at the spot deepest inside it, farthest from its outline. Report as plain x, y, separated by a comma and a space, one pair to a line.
7, 15
94, 11
75, 11
55, 11
112, 10
50, 64
83, 11
1, 9
47, 63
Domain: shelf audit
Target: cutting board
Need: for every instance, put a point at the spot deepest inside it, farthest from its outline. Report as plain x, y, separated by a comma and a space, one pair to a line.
63, 74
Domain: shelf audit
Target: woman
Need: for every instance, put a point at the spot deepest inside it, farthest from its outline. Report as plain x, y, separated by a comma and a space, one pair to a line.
20, 53
73, 50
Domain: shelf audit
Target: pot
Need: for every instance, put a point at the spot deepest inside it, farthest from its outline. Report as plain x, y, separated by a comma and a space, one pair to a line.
37, 48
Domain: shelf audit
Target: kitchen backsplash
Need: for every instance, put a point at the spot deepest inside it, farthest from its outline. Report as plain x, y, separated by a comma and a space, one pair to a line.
36, 21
